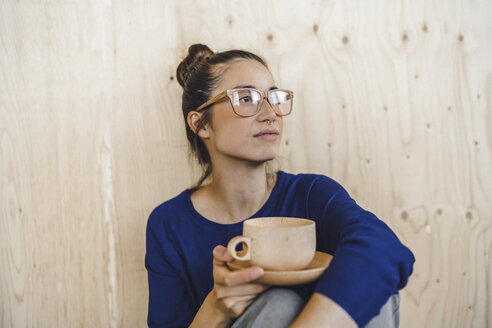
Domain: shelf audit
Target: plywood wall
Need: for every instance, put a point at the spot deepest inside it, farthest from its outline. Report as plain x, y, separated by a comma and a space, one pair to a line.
393, 100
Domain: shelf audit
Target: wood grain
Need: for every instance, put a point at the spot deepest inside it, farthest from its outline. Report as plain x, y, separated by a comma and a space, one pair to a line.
393, 100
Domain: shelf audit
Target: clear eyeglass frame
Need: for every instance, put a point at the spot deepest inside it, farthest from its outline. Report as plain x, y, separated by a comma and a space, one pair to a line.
271, 96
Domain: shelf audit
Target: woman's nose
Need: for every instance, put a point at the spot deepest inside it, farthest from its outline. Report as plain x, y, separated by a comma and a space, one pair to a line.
266, 111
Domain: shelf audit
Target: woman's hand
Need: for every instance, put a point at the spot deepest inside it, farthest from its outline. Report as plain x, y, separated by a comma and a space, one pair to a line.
234, 290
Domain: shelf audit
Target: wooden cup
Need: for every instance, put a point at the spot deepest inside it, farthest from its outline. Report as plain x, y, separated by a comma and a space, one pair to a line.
276, 243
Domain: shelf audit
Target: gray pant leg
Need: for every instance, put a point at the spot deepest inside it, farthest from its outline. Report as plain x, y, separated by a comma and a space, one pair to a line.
275, 308
279, 307
389, 316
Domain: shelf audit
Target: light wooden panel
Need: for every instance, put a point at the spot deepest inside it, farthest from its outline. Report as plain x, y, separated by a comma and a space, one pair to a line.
393, 100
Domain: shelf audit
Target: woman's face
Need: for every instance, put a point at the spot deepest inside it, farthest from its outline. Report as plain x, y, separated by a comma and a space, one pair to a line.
254, 139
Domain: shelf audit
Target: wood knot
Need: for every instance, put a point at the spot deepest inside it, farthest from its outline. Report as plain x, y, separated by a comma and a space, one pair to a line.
345, 39
315, 28
171, 78
439, 211
404, 37
469, 215
425, 28
270, 37
460, 38
404, 215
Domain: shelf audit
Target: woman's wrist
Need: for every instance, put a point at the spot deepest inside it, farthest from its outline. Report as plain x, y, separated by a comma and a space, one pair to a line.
209, 315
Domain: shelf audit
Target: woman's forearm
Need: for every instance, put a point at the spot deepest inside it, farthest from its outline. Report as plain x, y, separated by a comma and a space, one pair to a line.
209, 316
321, 311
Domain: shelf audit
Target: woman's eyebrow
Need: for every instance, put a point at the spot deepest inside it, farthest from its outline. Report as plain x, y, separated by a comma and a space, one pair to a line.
253, 87
245, 86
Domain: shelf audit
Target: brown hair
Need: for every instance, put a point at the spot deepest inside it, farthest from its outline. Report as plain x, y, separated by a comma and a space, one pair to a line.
198, 74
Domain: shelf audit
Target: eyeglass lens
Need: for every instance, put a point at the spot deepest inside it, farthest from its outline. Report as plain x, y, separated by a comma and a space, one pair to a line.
247, 102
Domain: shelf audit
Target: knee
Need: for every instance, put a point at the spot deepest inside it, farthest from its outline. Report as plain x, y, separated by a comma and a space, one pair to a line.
283, 297
280, 293
274, 308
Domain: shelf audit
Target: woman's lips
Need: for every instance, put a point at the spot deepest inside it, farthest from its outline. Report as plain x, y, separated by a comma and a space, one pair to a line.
267, 134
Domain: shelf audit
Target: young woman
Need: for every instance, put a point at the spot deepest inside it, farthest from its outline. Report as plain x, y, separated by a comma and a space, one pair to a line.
233, 112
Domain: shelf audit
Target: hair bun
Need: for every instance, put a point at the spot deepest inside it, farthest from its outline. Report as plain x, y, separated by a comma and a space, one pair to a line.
196, 53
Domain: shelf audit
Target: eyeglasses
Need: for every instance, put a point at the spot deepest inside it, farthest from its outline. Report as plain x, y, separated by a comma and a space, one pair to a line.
247, 101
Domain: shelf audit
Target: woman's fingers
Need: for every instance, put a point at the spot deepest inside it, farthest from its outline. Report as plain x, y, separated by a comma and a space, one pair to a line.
221, 255
226, 277
240, 290
236, 305
234, 291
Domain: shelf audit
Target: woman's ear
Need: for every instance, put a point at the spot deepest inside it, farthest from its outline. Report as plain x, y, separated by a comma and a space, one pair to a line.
193, 120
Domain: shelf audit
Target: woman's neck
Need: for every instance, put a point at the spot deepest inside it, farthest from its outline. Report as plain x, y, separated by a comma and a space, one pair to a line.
234, 194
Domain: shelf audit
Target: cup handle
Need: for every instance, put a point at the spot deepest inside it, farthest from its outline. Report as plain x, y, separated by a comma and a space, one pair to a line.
231, 247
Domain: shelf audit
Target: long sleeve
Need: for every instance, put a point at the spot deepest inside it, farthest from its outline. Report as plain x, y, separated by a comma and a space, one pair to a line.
169, 299
369, 262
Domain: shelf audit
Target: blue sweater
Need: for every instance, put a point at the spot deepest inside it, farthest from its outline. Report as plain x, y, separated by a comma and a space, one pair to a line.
369, 262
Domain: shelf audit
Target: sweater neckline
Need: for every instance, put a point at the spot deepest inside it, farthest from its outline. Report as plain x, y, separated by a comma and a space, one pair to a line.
238, 225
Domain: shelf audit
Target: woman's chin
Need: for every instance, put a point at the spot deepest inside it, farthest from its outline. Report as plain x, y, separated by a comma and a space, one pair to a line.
259, 157
266, 157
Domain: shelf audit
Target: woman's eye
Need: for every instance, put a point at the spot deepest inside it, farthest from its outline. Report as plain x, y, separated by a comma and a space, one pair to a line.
245, 99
